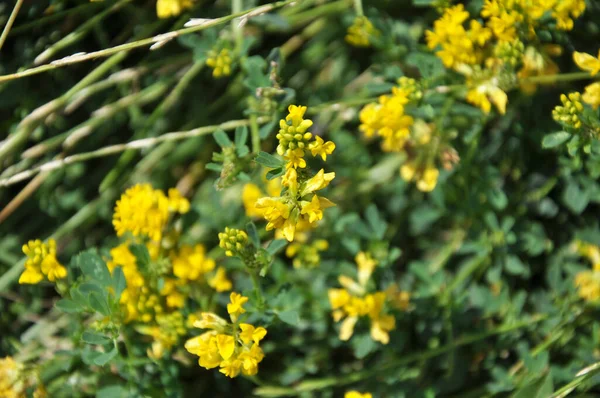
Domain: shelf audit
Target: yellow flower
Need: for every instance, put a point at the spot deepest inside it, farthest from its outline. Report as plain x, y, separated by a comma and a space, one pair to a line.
231, 368
365, 264
208, 320
191, 263
11, 378
251, 334
219, 281
338, 298
587, 62
220, 62
250, 359
591, 96
360, 32
226, 345
41, 262
317, 182
142, 210
321, 148
428, 179
171, 8
235, 307
177, 203
356, 394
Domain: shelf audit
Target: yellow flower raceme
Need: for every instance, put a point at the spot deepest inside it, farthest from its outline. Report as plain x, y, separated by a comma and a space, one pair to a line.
570, 111
166, 333
591, 96
41, 263
298, 205
11, 378
171, 8
305, 254
144, 211
352, 302
232, 347
361, 31
356, 394
456, 44
220, 62
191, 263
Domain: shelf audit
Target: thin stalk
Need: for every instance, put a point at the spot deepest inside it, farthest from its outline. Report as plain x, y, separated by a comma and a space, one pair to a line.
561, 77
76, 58
31, 121
320, 384
582, 376
137, 144
358, 7
9, 23
78, 34
236, 27
51, 18
255, 134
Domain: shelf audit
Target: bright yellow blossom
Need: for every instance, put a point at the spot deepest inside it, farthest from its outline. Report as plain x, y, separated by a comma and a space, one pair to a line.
360, 32
41, 263
235, 307
191, 263
219, 281
144, 211
356, 394
591, 96
11, 378
220, 62
171, 8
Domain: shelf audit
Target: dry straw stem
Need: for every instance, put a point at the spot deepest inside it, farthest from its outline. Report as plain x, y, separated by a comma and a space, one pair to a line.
137, 144
80, 57
320, 384
9, 23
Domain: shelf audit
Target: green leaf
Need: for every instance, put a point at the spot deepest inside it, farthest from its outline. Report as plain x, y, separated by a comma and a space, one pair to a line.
222, 139
555, 139
276, 245
105, 358
89, 287
253, 234
575, 198
241, 135
363, 345
141, 254
94, 338
515, 266
214, 167
541, 388
271, 174
268, 160
92, 266
68, 306
99, 304
113, 391
290, 317
119, 282
377, 223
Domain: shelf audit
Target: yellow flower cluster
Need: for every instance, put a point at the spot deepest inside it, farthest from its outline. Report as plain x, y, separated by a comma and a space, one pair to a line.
353, 302
457, 45
590, 64
570, 111
306, 255
166, 333
233, 241
356, 394
588, 282
507, 18
252, 192
234, 347
11, 378
360, 32
171, 8
144, 211
15, 380
401, 133
298, 204
220, 62
41, 263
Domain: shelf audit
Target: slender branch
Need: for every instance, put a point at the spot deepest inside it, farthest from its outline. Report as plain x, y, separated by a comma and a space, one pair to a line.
137, 144
9, 23
320, 384
358, 7
76, 58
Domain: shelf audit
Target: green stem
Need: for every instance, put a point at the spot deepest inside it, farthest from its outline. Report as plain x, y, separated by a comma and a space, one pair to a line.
320, 384
257, 290
9, 23
582, 376
136, 144
78, 34
73, 59
358, 7
38, 23
549, 79
255, 134
236, 8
